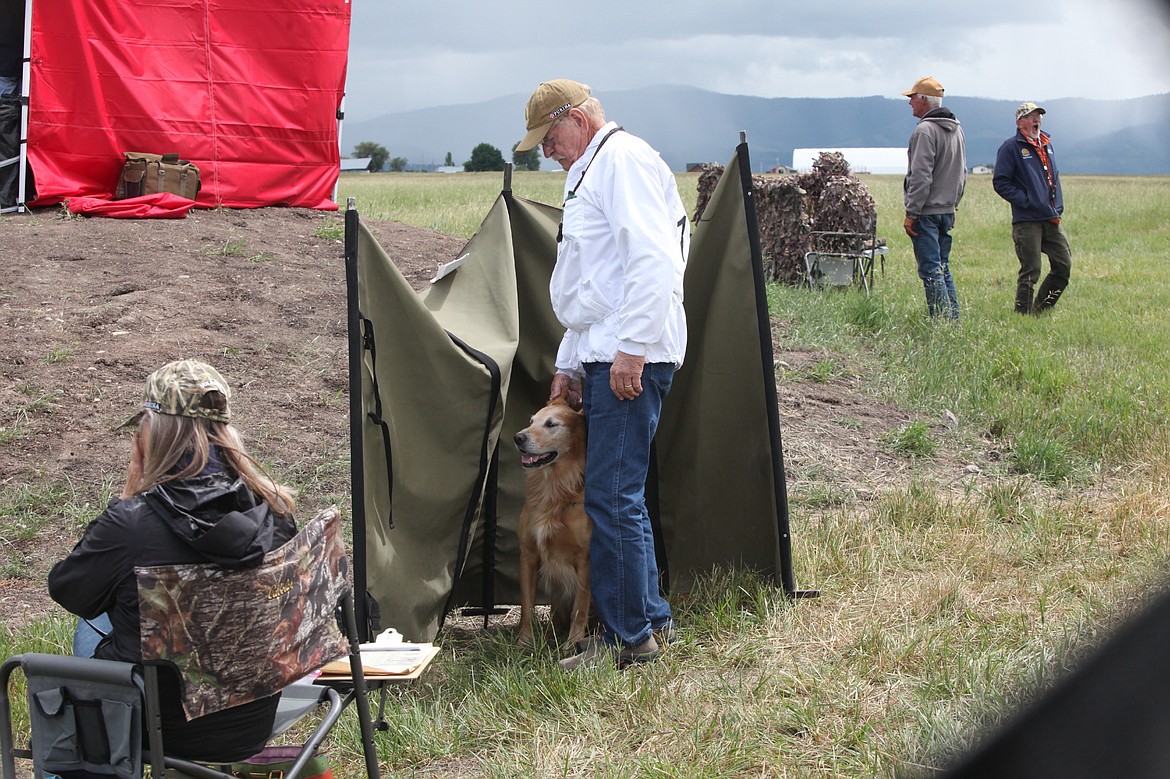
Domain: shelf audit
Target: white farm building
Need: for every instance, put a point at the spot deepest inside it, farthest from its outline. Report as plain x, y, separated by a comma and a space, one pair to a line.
861, 160
355, 165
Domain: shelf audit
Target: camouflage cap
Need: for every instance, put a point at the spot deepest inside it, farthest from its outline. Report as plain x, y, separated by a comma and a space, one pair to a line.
178, 388
1026, 108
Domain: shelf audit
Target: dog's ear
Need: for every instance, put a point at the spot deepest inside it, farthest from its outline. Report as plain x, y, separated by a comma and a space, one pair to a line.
561, 398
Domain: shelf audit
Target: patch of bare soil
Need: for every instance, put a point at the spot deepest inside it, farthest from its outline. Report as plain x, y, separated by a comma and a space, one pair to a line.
89, 307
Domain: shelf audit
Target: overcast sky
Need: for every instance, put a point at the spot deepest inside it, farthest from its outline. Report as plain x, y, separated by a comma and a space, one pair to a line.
406, 55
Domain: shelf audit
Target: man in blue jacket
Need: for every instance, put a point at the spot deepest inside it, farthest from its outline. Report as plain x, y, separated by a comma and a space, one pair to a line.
1026, 177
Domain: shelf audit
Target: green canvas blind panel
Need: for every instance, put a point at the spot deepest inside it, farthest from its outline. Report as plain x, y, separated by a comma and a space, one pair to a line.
448, 375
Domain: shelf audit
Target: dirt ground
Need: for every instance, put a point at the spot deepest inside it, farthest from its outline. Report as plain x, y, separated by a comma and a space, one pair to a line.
89, 307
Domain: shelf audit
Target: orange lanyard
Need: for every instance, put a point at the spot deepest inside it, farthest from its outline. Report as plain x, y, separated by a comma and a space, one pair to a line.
1039, 144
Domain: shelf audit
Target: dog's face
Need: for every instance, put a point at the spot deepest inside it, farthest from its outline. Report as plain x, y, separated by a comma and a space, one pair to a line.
554, 431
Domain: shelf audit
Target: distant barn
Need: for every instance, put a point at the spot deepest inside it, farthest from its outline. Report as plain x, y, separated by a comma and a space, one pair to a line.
861, 160
356, 165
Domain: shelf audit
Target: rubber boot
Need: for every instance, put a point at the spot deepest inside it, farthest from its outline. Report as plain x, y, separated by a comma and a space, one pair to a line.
1050, 291
937, 302
1024, 299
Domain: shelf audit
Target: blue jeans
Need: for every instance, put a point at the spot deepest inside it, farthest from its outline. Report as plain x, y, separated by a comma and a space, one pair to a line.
623, 573
932, 250
86, 636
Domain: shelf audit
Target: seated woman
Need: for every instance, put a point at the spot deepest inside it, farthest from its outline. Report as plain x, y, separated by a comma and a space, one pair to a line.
192, 494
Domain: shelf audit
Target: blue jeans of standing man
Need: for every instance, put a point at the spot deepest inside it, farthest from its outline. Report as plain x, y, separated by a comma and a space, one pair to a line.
932, 250
623, 573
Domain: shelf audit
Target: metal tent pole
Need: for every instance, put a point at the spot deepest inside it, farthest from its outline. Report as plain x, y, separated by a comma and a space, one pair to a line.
25, 78
340, 119
357, 474
20, 158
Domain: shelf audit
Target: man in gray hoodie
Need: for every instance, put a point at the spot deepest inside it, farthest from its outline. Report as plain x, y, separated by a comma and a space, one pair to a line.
935, 178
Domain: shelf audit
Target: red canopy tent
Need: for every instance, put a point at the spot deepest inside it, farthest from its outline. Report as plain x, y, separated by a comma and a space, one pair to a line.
248, 90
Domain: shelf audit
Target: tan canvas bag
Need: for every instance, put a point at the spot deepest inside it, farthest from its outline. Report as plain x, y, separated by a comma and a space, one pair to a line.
146, 174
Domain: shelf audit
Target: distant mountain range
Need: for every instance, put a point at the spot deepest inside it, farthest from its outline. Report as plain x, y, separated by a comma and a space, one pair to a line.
689, 125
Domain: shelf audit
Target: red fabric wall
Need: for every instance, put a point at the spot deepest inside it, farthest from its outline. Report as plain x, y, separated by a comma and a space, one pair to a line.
248, 90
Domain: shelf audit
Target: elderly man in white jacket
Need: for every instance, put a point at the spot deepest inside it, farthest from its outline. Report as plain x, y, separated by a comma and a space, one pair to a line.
618, 290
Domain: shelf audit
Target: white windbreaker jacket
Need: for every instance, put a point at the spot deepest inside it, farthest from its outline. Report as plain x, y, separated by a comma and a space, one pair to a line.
618, 281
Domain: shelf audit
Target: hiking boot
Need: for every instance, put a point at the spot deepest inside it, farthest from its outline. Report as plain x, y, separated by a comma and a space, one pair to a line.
1050, 291
597, 654
666, 634
1024, 299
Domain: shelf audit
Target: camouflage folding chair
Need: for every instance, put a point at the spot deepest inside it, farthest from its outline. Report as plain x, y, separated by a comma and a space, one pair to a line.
233, 635
838, 260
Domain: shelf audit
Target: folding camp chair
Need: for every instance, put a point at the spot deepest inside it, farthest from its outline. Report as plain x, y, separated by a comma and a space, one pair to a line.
233, 635
841, 260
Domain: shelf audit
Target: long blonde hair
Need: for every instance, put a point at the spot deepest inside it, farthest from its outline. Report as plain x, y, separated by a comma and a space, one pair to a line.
166, 439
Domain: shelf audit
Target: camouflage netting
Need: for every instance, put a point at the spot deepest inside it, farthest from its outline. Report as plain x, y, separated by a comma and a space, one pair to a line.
789, 209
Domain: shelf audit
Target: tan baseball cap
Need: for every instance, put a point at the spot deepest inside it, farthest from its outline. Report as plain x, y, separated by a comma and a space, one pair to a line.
1026, 108
927, 85
550, 100
178, 388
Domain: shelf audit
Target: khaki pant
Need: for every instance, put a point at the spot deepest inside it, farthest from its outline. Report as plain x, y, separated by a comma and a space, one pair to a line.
1033, 239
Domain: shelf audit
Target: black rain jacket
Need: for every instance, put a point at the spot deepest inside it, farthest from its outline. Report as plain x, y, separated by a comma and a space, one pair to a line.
212, 517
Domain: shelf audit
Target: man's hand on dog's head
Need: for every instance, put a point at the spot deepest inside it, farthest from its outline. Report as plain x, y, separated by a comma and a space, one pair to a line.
563, 384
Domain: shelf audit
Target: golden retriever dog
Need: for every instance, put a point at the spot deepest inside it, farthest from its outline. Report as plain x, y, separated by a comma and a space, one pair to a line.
554, 530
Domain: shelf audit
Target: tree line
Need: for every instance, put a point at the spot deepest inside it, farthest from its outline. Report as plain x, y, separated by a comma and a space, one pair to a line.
484, 157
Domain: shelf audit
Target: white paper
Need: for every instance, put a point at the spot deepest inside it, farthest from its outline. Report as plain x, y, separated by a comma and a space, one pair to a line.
448, 267
394, 661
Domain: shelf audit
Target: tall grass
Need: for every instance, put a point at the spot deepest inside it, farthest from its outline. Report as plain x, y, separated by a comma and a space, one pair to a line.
1086, 385
946, 600
449, 203
456, 203
1070, 396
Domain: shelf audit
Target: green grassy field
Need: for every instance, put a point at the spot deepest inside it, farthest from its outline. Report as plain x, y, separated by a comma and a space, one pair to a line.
943, 606
1073, 393
944, 603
